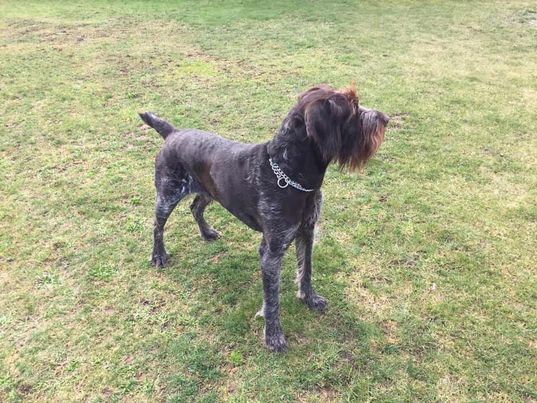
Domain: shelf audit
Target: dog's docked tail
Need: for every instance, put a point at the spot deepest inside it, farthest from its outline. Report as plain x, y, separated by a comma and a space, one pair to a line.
161, 126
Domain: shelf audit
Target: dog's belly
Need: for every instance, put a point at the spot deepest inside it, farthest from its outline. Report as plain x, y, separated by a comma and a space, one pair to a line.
246, 218
233, 191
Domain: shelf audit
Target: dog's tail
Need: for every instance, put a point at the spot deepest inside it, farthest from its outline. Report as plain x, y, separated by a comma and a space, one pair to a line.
161, 126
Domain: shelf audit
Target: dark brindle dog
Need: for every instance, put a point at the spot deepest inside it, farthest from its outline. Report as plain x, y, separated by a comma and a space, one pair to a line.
272, 187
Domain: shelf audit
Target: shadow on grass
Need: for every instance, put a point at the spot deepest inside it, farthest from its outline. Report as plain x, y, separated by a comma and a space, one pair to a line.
224, 292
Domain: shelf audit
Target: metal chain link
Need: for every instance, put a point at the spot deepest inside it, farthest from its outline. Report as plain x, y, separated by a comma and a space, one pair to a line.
283, 177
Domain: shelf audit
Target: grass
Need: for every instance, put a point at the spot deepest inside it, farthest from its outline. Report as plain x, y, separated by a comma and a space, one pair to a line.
428, 259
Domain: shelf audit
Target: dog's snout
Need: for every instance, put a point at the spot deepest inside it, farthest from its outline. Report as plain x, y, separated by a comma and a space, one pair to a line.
385, 118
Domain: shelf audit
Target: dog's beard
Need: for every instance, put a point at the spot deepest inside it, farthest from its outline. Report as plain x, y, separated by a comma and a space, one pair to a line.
362, 140
372, 132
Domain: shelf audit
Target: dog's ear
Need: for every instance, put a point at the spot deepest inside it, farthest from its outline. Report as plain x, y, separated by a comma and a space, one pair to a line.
323, 119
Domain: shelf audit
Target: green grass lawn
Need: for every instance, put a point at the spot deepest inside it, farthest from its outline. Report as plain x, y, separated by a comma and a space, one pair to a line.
428, 258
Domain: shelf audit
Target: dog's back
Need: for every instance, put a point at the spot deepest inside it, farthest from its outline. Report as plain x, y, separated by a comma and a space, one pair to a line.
197, 161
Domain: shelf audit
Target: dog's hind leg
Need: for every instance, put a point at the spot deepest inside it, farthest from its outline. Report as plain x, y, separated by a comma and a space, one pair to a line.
169, 194
201, 201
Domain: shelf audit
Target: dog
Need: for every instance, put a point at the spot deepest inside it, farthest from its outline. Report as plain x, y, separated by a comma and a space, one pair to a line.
273, 187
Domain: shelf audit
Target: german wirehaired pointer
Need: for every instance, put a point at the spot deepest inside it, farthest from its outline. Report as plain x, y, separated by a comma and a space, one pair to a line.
273, 187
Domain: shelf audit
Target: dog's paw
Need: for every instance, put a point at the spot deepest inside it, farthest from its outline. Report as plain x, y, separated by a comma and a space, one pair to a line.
160, 260
210, 234
276, 342
315, 302
261, 312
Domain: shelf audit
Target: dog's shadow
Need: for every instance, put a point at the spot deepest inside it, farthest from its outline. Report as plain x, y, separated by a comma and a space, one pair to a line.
223, 282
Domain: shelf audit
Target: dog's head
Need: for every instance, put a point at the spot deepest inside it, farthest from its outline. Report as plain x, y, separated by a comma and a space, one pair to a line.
343, 131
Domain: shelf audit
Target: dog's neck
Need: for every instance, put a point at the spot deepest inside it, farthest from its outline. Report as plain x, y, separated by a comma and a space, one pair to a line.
296, 154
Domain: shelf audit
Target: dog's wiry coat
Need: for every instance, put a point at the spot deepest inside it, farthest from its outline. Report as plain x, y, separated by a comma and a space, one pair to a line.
325, 126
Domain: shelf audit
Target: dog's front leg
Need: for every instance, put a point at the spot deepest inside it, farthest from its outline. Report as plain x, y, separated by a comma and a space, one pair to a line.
271, 263
304, 247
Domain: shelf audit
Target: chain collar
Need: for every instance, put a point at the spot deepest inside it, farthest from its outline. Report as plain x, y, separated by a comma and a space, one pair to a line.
284, 180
